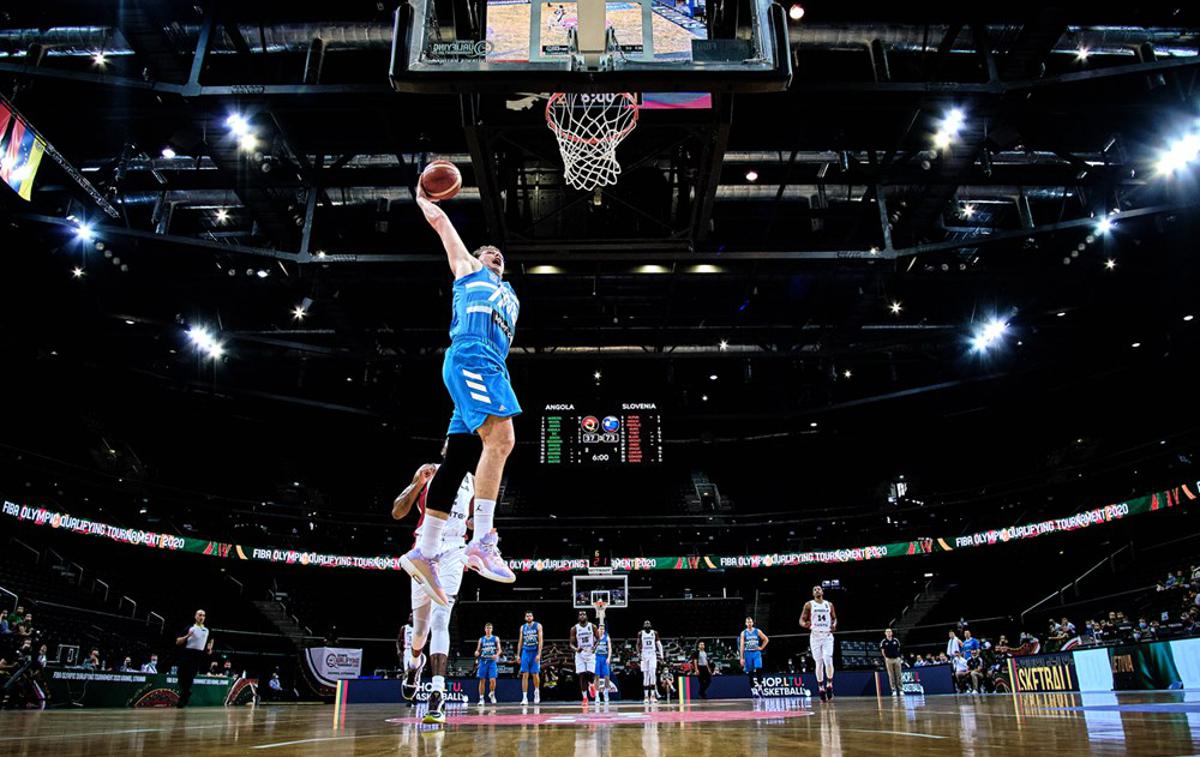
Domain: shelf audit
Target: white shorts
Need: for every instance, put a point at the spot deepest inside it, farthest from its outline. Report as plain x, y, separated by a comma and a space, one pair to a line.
450, 567
649, 665
821, 646
585, 662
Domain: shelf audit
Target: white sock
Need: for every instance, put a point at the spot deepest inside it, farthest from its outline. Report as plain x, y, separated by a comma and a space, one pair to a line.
414, 662
439, 683
431, 536
485, 510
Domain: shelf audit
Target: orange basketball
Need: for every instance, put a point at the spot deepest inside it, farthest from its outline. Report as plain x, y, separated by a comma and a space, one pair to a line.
441, 180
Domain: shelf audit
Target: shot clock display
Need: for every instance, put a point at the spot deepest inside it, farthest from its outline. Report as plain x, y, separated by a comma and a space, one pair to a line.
624, 433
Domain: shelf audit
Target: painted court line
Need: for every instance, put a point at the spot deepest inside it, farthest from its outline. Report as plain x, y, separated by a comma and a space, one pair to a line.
82, 735
896, 733
325, 738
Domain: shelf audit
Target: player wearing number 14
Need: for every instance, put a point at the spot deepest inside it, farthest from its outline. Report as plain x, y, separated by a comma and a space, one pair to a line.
485, 310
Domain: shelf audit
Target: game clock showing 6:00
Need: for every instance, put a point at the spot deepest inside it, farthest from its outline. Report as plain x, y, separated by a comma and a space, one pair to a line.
626, 433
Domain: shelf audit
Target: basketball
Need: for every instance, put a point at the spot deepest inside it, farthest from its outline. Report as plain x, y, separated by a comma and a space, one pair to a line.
441, 180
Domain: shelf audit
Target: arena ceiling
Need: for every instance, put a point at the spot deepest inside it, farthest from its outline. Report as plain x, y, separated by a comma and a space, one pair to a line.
819, 250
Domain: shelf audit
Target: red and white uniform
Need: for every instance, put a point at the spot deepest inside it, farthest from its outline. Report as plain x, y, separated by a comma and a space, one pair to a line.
452, 552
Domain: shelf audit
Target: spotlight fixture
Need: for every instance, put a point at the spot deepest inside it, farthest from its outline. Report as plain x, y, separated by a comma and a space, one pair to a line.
752, 175
99, 59
1104, 225
989, 334
951, 124
796, 12
248, 142
596, 375
847, 373
1135, 345
723, 345
77, 272
1179, 154
704, 398
813, 424
298, 313
237, 124
1082, 53
205, 342
1110, 264
222, 215
263, 273
712, 377
968, 211
895, 307
84, 231
168, 152
1188, 318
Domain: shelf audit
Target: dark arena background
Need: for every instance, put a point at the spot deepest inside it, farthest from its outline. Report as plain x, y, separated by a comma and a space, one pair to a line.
893, 299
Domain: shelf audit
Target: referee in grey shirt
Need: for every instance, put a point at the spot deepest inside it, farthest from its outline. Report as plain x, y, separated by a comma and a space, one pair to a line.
196, 645
890, 646
703, 667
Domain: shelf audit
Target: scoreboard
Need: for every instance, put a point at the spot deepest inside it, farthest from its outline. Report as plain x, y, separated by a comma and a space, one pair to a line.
624, 433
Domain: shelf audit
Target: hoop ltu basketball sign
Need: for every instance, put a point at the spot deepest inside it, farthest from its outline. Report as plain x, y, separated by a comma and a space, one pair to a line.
589, 126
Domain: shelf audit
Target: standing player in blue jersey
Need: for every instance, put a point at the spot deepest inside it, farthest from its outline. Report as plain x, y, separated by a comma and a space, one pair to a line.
487, 651
751, 643
603, 649
531, 639
484, 319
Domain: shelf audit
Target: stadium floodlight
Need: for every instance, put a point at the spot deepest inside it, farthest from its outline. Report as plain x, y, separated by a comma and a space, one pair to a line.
895, 307
1104, 225
1179, 154
796, 12
205, 342
988, 335
952, 123
237, 124
84, 231
222, 215
168, 152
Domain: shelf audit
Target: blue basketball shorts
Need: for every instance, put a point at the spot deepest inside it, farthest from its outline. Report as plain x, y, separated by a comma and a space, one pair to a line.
479, 384
602, 669
529, 662
487, 669
753, 661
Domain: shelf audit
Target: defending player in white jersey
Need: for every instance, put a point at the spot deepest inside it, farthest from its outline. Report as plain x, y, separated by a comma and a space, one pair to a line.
649, 649
404, 641
583, 643
820, 617
450, 560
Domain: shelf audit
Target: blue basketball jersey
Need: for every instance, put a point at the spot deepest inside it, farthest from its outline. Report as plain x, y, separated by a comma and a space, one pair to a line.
750, 637
602, 645
487, 647
485, 308
529, 633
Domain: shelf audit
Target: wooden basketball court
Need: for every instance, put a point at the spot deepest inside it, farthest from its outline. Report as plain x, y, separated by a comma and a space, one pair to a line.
1159, 723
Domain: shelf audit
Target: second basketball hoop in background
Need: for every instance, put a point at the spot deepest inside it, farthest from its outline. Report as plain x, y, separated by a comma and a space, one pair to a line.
589, 126
441, 180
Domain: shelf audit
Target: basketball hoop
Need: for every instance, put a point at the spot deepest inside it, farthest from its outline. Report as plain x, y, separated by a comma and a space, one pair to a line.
600, 606
589, 126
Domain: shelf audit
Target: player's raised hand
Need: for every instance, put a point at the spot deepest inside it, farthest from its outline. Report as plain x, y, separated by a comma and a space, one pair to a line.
424, 473
432, 212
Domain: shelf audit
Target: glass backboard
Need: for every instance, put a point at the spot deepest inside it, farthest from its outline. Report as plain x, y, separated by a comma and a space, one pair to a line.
530, 45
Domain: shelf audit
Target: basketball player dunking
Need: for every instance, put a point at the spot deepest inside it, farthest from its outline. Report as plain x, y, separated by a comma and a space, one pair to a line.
583, 644
484, 318
751, 643
449, 559
650, 649
820, 617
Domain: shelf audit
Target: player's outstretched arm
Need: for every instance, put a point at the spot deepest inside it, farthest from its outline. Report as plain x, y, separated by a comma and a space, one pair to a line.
462, 262
403, 503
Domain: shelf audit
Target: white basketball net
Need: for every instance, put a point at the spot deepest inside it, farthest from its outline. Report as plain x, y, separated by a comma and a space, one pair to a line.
588, 128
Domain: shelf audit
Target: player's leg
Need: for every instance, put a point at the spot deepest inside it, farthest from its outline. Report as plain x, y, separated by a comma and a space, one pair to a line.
827, 654
483, 553
415, 662
449, 570
462, 455
814, 647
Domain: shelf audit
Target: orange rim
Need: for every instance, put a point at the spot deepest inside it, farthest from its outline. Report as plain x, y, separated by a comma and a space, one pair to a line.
558, 97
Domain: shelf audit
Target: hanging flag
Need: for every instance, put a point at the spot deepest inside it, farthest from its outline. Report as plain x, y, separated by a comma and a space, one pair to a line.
21, 151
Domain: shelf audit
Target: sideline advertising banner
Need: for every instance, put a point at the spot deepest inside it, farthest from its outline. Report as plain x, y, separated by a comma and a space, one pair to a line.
86, 688
329, 665
1041, 673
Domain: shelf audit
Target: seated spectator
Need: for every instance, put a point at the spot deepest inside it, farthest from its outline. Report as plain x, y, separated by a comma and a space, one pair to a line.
1068, 628
227, 670
43, 656
969, 643
16, 617
127, 666
275, 685
25, 627
961, 672
93, 660
1002, 647
151, 666
214, 668
4, 629
976, 670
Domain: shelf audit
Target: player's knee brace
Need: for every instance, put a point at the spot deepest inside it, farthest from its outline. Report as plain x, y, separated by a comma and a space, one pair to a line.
462, 456
440, 643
